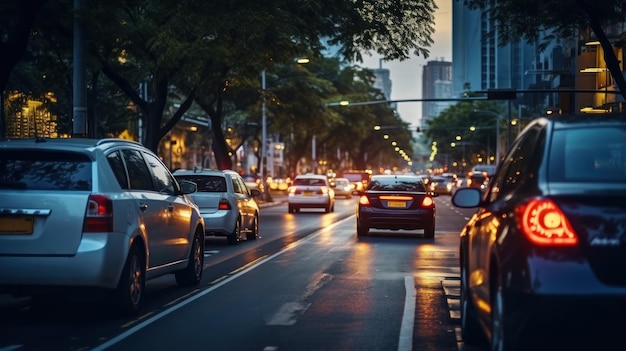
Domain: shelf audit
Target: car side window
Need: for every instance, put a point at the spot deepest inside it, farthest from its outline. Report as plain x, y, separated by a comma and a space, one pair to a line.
516, 166
239, 186
138, 173
117, 165
165, 183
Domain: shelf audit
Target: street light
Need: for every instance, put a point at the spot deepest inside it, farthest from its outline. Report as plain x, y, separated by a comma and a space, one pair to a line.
497, 160
264, 130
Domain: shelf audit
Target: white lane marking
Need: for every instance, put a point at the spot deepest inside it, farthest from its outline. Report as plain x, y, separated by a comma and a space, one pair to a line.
288, 313
405, 343
164, 313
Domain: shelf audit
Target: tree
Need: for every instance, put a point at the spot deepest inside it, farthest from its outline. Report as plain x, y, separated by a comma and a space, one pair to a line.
457, 121
528, 19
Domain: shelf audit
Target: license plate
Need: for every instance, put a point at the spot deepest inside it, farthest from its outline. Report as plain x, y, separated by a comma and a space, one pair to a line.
401, 204
307, 193
16, 224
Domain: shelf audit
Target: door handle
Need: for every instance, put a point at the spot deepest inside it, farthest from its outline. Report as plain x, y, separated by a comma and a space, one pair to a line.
143, 207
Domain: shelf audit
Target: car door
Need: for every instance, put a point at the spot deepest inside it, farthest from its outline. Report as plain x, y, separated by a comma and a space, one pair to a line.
152, 209
491, 220
177, 237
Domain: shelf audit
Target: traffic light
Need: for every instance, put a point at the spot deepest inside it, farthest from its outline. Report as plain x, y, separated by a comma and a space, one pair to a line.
418, 129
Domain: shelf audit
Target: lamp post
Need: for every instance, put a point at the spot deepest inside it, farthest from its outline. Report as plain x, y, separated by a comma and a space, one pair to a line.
264, 138
497, 160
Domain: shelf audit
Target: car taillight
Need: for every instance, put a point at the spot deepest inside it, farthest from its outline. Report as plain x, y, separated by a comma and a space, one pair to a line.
99, 215
543, 223
223, 205
427, 202
364, 201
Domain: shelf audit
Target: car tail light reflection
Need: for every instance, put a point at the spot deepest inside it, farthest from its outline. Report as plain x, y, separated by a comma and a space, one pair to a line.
223, 205
543, 223
99, 215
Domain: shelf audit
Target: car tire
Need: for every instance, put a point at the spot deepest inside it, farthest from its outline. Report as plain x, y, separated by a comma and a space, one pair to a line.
234, 237
192, 274
429, 232
254, 230
130, 288
501, 328
471, 331
361, 230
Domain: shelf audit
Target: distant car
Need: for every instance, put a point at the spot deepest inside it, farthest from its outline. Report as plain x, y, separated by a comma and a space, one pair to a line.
278, 184
104, 215
546, 247
479, 176
358, 179
396, 202
310, 191
253, 181
227, 205
442, 184
342, 187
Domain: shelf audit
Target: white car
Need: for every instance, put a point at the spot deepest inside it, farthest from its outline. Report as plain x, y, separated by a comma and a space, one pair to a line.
311, 191
101, 214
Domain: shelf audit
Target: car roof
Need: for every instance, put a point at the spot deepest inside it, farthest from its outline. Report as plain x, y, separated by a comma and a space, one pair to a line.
311, 175
404, 177
203, 171
65, 143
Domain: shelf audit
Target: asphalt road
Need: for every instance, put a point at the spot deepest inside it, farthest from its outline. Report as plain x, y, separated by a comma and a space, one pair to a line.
307, 283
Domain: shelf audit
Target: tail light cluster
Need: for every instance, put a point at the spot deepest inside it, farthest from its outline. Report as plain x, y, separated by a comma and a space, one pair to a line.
223, 204
544, 224
99, 214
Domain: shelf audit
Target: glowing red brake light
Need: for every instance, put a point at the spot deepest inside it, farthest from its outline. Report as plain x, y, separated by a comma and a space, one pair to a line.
223, 205
543, 223
364, 201
427, 202
99, 215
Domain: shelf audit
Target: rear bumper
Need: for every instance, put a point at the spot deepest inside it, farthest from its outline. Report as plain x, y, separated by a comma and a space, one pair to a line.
98, 263
219, 223
390, 219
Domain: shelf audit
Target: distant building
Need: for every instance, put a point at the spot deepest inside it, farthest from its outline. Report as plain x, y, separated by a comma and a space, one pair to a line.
436, 84
479, 63
383, 82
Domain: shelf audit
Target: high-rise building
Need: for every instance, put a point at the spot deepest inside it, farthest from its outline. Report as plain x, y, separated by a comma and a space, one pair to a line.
436, 84
478, 62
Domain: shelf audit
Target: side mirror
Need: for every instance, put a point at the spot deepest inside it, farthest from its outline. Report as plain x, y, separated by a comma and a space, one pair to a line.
187, 187
255, 192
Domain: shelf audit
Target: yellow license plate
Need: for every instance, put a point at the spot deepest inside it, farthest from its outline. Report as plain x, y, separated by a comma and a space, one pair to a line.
16, 225
307, 193
396, 204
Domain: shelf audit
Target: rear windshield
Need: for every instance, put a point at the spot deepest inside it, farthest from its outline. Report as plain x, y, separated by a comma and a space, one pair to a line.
356, 177
589, 155
309, 181
205, 183
44, 170
393, 184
